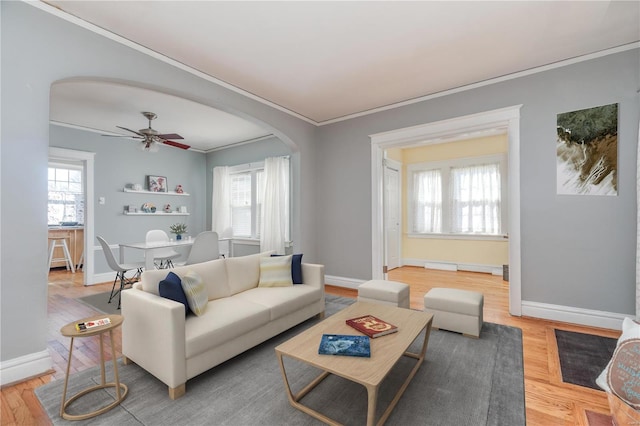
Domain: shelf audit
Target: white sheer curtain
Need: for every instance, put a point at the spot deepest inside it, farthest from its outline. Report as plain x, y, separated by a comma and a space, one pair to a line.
220, 200
427, 193
475, 199
274, 216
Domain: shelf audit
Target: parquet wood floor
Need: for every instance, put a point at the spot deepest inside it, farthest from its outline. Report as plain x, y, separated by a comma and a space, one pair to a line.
548, 400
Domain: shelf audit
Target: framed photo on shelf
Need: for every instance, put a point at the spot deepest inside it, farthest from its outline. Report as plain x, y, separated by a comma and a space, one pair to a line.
157, 183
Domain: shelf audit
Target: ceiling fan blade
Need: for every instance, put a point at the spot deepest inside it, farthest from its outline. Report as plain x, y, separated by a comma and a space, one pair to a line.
129, 130
176, 144
170, 136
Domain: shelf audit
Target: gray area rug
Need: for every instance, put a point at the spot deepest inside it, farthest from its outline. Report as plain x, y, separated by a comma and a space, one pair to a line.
100, 301
463, 381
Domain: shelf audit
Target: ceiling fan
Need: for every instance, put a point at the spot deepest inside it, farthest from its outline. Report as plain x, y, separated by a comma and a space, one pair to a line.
150, 138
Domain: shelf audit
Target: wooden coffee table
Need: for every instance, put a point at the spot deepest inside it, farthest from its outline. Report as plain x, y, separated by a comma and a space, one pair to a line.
369, 372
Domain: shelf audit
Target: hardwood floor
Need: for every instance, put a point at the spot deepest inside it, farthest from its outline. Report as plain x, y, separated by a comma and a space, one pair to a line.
548, 400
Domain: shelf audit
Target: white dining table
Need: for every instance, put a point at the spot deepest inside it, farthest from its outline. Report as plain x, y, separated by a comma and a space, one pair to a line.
149, 247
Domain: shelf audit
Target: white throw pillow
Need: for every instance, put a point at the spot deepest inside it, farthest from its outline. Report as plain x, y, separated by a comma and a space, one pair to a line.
196, 292
275, 271
630, 330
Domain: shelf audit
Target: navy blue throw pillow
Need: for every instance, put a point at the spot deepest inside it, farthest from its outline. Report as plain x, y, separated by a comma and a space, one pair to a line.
296, 267
171, 288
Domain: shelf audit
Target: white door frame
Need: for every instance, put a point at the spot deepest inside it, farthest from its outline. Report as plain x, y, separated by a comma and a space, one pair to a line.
397, 166
506, 118
87, 159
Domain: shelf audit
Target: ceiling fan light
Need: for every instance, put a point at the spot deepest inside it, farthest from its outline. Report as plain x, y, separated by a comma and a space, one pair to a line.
149, 147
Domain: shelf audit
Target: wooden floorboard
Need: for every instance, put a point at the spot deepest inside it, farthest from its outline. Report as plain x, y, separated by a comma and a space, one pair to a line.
548, 400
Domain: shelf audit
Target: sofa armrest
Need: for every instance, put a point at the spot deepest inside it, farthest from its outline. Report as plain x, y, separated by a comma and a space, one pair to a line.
153, 335
313, 274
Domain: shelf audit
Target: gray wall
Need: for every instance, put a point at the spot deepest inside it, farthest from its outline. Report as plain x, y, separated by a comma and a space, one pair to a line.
39, 49
577, 251
119, 162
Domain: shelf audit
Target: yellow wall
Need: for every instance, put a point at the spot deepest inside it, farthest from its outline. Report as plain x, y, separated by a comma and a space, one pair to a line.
448, 250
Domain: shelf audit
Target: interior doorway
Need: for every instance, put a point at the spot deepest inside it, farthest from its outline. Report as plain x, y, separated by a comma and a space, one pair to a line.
85, 161
393, 213
506, 119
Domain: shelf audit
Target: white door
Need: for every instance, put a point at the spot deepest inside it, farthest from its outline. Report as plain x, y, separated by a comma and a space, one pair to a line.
392, 214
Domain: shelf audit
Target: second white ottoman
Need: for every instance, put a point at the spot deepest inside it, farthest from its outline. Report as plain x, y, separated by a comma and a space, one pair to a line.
455, 310
385, 292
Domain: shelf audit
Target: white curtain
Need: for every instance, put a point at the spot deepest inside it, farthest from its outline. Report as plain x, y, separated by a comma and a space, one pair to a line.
427, 193
274, 216
220, 200
475, 199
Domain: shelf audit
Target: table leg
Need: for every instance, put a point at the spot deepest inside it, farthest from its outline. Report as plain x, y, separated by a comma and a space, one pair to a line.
66, 380
115, 366
372, 396
102, 372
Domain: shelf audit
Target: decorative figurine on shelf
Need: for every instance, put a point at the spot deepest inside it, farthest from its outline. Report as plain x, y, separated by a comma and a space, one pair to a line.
148, 208
167, 208
136, 187
178, 229
179, 189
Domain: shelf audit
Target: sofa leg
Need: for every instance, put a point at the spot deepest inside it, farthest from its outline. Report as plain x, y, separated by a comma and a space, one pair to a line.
321, 315
127, 361
178, 391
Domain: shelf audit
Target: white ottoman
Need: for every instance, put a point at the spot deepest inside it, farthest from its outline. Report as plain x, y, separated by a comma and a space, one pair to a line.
384, 292
455, 310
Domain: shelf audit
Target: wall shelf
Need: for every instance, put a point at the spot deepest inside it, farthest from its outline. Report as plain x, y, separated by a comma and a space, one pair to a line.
184, 194
156, 214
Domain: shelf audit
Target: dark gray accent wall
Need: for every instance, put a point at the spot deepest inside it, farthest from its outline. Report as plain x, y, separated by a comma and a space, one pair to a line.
577, 251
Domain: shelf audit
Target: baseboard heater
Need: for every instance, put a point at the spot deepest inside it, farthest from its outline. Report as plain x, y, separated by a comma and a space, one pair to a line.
468, 267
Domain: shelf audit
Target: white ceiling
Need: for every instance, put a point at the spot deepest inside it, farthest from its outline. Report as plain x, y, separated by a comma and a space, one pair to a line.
328, 60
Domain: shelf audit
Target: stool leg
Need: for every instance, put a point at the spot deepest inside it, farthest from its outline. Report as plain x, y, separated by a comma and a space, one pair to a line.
51, 249
67, 255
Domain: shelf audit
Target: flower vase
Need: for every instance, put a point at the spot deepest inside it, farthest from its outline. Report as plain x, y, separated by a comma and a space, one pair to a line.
178, 237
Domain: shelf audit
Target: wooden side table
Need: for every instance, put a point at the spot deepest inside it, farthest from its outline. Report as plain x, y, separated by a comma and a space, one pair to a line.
69, 330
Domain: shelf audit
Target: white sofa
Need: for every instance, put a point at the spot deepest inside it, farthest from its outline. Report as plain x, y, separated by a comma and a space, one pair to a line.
157, 336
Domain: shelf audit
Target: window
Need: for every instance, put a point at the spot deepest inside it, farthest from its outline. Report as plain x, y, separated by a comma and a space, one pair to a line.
65, 195
458, 197
246, 202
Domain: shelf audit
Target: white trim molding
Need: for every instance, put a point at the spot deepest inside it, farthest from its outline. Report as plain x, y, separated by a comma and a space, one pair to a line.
438, 132
18, 369
342, 281
588, 317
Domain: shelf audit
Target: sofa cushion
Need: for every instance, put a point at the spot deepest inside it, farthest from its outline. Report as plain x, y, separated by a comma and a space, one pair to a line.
224, 320
296, 268
282, 301
214, 274
171, 288
243, 272
275, 272
196, 292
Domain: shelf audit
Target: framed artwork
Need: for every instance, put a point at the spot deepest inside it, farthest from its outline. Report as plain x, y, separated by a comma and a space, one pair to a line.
587, 151
157, 183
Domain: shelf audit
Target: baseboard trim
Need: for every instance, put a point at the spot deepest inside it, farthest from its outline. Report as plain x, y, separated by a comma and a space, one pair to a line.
101, 278
588, 317
24, 367
342, 281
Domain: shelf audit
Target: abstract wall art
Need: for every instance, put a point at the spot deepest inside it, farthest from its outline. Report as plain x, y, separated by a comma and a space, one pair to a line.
587, 151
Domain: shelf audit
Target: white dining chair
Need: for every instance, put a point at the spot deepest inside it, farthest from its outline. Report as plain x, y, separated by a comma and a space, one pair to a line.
121, 269
164, 256
205, 247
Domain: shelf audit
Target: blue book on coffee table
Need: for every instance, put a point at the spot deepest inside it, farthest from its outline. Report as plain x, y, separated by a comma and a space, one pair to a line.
342, 344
